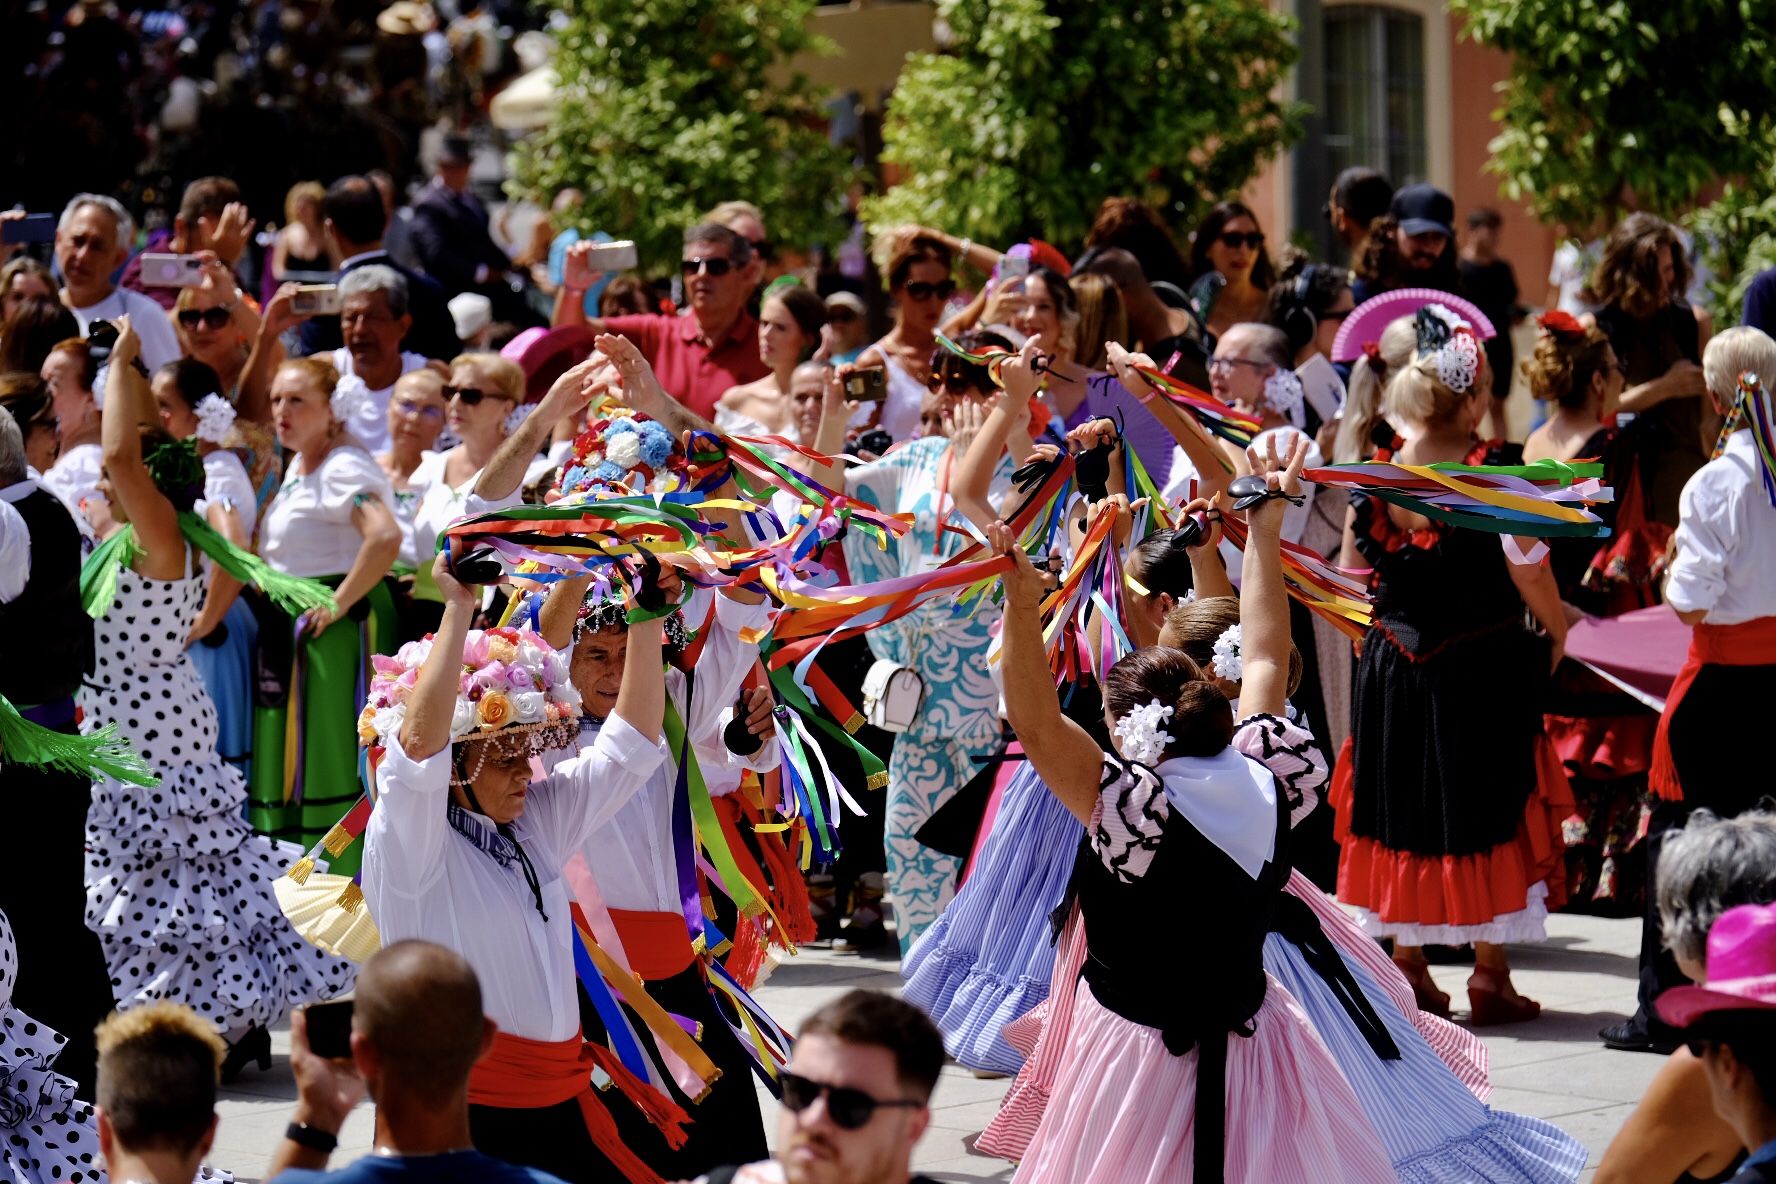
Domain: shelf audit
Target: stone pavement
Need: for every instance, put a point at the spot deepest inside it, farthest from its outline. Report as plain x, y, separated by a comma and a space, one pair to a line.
1553, 1068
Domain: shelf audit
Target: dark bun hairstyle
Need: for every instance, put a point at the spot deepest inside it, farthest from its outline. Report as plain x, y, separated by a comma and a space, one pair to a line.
1200, 623
1202, 718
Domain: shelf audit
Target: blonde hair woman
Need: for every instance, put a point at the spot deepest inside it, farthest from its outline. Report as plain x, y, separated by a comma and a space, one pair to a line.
301, 246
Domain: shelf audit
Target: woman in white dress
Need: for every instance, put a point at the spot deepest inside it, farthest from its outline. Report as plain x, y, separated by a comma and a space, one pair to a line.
789, 332
415, 421
330, 521
177, 888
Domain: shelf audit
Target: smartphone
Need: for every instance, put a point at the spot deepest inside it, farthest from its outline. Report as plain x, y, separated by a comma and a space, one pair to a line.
171, 271
330, 1029
609, 257
316, 300
32, 228
867, 386
1014, 267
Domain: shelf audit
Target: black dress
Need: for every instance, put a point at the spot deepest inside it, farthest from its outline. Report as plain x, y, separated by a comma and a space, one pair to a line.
1448, 814
1667, 439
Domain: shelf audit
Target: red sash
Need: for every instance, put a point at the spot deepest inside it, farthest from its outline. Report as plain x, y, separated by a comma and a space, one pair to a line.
1750, 643
520, 1074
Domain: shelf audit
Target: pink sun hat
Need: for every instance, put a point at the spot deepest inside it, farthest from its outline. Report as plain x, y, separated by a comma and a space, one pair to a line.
1366, 321
1741, 969
544, 354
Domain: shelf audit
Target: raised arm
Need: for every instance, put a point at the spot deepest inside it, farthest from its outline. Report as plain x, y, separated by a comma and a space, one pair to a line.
1215, 465
829, 438
1264, 602
131, 406
1062, 753
567, 396
561, 611
254, 400
642, 389
1006, 422
577, 278
426, 730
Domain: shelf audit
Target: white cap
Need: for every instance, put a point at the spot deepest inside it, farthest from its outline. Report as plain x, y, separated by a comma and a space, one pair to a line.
843, 299
472, 313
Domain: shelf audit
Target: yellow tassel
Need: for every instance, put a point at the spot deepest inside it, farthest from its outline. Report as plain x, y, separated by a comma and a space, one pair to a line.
855, 722
299, 871
351, 897
879, 780
337, 840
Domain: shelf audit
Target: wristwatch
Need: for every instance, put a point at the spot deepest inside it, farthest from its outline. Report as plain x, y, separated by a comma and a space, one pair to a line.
311, 1137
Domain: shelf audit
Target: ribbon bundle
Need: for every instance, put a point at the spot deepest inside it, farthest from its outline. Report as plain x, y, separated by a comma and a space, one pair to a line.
1336, 593
1546, 499
1215, 416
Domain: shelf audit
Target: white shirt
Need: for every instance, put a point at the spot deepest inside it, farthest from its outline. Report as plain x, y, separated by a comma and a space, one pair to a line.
226, 482
75, 476
1726, 540
370, 423
308, 528
632, 858
160, 344
15, 543
440, 504
422, 879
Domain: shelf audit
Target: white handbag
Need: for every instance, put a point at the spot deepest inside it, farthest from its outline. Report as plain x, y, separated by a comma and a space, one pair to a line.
892, 695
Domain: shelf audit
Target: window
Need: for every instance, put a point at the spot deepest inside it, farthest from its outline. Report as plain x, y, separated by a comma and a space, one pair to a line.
1375, 91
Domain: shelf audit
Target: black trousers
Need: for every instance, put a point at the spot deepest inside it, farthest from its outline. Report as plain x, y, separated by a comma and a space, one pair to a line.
1716, 776
62, 980
552, 1139
726, 1126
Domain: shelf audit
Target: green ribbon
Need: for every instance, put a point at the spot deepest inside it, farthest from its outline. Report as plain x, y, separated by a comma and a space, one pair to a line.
294, 594
709, 828
97, 756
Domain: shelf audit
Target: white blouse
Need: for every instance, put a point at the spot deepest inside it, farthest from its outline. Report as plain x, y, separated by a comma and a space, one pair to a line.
226, 482
632, 859
422, 879
370, 422
440, 504
308, 528
1726, 540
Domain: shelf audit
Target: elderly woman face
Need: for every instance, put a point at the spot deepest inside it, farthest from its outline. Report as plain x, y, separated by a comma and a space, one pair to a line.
500, 778
477, 406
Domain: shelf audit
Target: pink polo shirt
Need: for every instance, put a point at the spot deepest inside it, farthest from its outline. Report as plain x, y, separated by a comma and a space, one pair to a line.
692, 370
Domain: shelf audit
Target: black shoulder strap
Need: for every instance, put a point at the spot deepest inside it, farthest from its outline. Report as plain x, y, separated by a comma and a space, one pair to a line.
721, 1175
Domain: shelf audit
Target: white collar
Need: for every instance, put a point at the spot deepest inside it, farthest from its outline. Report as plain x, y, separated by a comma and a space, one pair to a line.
20, 490
1231, 799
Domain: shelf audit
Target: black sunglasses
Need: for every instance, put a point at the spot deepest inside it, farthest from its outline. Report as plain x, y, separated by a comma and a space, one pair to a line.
1232, 239
953, 382
469, 395
215, 318
921, 291
714, 266
850, 1109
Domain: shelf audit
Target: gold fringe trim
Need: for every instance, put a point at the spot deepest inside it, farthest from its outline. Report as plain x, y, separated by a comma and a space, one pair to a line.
851, 725
879, 780
336, 841
351, 898
301, 870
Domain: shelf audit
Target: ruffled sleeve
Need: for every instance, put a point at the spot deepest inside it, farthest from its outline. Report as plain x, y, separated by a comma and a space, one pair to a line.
347, 475
1129, 818
1291, 754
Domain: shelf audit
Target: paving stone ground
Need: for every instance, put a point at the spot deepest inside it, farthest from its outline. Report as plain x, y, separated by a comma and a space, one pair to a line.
1553, 1068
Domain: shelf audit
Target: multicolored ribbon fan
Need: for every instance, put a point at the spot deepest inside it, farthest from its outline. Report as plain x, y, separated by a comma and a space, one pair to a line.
1547, 499
1336, 593
1215, 416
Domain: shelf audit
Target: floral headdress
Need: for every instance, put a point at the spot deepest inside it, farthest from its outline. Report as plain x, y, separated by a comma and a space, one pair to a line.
1449, 342
624, 448
513, 689
1228, 662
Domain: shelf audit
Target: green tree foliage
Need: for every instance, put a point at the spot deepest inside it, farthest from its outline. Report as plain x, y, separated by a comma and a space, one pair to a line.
670, 107
1736, 238
1041, 108
1627, 104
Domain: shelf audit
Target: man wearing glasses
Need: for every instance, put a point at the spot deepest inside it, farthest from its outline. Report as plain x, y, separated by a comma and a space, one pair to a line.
701, 351
856, 1097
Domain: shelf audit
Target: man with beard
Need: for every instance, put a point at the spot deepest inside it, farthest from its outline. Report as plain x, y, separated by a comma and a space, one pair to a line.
1413, 247
856, 1097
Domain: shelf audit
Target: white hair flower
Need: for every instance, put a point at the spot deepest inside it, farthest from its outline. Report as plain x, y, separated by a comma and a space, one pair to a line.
351, 399
1458, 361
1142, 733
1227, 663
215, 418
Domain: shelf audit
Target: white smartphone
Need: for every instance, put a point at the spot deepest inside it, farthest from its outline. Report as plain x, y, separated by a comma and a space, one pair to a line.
316, 300
171, 271
609, 257
1014, 267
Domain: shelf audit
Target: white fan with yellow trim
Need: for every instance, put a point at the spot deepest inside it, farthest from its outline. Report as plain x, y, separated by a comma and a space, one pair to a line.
329, 911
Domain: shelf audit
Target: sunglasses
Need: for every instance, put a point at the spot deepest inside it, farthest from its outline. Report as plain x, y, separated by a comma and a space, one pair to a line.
1230, 363
1233, 240
952, 383
469, 395
424, 411
850, 1109
213, 318
921, 291
714, 266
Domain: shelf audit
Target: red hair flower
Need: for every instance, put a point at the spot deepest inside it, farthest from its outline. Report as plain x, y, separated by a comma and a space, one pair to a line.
1562, 326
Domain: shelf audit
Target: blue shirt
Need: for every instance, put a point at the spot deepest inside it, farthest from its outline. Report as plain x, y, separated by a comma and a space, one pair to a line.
1759, 311
452, 1167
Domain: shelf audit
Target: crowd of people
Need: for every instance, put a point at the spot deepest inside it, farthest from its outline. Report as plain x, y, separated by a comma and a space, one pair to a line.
453, 628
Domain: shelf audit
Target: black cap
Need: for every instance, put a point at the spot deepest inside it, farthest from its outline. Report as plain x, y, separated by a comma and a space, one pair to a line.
1424, 209
455, 150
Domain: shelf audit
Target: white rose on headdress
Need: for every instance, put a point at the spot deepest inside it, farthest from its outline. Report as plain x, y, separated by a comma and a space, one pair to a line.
463, 721
388, 721
566, 694
215, 418
527, 706
624, 450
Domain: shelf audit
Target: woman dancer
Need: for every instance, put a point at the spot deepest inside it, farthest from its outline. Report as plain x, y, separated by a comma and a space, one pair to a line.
177, 888
1461, 848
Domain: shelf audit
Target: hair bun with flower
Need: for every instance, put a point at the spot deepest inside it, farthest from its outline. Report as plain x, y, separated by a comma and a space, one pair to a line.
215, 418
512, 684
1562, 326
1450, 344
1227, 662
1142, 732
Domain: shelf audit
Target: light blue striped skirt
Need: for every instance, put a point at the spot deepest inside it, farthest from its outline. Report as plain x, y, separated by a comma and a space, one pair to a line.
1435, 1130
227, 673
987, 959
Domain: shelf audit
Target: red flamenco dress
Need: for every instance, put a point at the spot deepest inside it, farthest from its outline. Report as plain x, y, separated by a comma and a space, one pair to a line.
1449, 797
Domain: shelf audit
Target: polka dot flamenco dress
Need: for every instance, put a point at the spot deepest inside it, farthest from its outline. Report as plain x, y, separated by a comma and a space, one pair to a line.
178, 888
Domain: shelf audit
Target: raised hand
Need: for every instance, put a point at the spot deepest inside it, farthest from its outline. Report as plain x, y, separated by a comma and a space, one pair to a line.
1023, 583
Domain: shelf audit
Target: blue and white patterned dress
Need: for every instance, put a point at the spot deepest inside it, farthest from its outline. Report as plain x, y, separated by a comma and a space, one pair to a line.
959, 721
